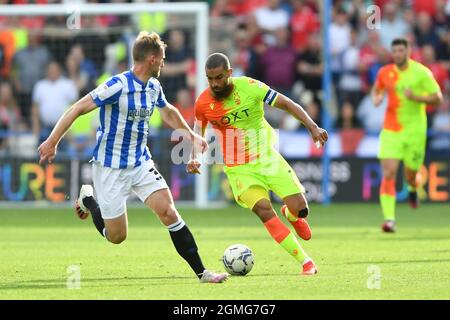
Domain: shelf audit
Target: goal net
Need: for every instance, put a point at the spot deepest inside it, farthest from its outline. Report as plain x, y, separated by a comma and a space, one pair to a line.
89, 43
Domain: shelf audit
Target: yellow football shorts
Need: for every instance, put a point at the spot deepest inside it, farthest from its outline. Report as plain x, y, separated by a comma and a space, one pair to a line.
252, 181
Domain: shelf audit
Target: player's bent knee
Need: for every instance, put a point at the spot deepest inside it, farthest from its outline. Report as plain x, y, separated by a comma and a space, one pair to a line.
389, 173
265, 215
260, 208
169, 215
264, 211
117, 238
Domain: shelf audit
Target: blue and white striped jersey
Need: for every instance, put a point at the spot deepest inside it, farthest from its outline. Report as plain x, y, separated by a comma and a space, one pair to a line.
126, 104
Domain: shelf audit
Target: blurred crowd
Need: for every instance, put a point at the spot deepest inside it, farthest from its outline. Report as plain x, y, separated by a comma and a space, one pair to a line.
44, 67
280, 43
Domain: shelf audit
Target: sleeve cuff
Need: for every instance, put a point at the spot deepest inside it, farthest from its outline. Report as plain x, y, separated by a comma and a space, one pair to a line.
96, 99
160, 106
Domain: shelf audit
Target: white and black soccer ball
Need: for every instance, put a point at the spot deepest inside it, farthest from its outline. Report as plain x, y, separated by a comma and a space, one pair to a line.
238, 259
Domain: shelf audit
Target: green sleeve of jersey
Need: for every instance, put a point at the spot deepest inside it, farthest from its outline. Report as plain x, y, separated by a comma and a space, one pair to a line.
429, 83
262, 91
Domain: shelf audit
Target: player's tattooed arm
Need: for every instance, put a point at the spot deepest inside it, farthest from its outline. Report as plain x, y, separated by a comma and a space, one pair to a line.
47, 150
319, 135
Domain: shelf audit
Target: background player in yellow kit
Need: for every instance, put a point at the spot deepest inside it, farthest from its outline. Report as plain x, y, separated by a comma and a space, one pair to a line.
235, 108
410, 87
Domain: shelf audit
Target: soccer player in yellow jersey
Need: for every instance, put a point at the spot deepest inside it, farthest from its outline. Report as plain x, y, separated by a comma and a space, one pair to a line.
410, 87
234, 106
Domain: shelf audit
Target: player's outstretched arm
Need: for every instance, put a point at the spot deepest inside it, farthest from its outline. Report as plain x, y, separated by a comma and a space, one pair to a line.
47, 150
193, 165
319, 135
175, 120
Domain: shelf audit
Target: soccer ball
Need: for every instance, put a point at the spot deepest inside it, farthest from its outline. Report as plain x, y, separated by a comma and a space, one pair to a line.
238, 259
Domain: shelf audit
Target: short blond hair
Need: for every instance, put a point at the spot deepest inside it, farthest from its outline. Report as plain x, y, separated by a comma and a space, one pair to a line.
146, 44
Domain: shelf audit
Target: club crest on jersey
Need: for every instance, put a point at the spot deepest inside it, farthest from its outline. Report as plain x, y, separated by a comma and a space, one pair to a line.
153, 95
237, 98
212, 106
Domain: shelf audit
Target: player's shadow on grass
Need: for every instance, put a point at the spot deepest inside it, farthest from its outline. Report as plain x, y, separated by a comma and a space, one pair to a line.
116, 282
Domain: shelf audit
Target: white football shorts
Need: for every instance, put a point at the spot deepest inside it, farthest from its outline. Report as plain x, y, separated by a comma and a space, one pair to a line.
114, 186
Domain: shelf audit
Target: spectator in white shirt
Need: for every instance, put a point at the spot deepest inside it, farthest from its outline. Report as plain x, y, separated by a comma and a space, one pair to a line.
371, 117
350, 84
269, 19
340, 41
392, 25
51, 97
440, 141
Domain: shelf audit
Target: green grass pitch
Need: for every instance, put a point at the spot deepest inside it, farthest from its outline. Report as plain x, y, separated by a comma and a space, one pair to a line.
37, 246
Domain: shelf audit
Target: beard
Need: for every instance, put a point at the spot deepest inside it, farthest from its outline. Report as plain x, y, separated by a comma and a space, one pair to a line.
223, 92
401, 62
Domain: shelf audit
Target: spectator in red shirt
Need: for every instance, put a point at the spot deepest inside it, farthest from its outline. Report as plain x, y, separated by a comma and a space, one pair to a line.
31, 22
428, 6
382, 3
371, 55
351, 132
7, 50
185, 105
304, 22
416, 51
236, 8
313, 5
438, 69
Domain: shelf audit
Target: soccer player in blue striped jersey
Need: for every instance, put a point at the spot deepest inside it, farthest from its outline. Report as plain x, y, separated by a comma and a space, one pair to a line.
122, 161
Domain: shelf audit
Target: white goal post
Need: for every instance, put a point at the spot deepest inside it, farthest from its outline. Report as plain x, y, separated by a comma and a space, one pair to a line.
199, 9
